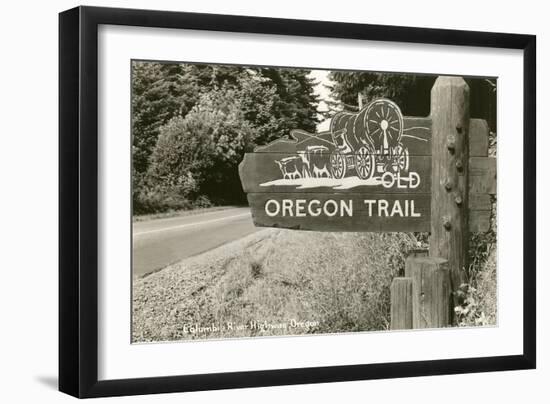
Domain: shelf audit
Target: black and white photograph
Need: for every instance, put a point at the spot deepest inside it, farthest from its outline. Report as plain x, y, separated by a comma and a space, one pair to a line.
270, 201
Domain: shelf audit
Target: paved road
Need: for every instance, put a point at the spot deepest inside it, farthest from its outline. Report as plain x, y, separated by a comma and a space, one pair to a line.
160, 242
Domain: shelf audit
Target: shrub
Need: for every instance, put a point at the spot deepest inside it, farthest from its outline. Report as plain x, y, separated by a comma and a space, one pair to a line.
477, 298
351, 289
195, 159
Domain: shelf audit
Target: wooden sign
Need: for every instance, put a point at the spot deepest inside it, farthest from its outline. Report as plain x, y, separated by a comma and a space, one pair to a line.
372, 171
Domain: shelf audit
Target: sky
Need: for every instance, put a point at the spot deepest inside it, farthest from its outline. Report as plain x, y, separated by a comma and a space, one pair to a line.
321, 76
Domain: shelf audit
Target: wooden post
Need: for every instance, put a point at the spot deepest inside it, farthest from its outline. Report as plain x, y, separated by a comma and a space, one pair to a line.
401, 304
418, 252
450, 100
431, 292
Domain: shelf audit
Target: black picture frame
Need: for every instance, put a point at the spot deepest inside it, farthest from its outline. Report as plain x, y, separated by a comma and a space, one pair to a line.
78, 201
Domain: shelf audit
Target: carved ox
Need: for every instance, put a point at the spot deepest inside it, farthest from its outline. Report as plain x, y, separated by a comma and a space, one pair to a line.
316, 161
291, 167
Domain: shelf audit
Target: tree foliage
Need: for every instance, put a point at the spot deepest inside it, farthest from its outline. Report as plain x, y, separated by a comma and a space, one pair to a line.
196, 155
295, 104
192, 123
410, 91
159, 92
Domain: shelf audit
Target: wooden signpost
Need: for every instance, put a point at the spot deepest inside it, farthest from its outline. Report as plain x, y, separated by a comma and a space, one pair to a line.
376, 170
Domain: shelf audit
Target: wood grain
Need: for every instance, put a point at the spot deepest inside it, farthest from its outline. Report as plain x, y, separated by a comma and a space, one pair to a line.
483, 175
401, 314
431, 291
450, 98
479, 221
478, 138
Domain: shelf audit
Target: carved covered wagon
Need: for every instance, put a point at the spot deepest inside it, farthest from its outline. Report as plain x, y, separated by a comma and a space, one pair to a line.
368, 142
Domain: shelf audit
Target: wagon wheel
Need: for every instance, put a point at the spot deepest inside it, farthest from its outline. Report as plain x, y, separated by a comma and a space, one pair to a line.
338, 165
401, 159
364, 163
384, 124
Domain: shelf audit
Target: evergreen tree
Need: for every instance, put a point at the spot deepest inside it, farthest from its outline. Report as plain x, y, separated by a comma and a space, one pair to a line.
296, 104
411, 92
271, 102
159, 92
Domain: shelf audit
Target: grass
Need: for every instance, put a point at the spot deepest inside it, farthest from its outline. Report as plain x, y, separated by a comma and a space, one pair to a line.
275, 282
486, 286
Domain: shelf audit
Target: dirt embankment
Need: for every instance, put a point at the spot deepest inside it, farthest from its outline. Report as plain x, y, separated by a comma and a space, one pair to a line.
274, 282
